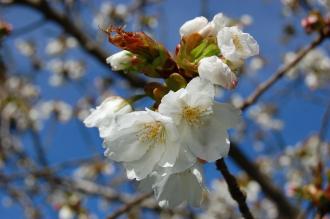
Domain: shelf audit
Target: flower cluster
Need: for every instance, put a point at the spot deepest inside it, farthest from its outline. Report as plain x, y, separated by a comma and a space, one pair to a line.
309, 176
17, 98
315, 67
265, 116
60, 45
164, 146
65, 70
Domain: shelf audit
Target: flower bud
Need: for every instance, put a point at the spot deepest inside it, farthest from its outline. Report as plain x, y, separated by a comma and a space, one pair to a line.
153, 58
176, 81
120, 60
217, 72
155, 90
313, 22
5, 29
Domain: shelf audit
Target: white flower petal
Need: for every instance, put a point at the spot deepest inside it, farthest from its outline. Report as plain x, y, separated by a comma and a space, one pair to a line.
184, 160
123, 143
209, 142
174, 189
219, 22
228, 115
202, 86
147, 184
139, 169
193, 26
171, 104
200, 92
170, 155
217, 72
105, 113
125, 146
120, 60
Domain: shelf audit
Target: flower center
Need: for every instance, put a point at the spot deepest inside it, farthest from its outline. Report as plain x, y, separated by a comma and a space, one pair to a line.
193, 115
237, 43
152, 132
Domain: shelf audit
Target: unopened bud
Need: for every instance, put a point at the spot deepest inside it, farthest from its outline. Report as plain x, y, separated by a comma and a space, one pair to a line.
5, 29
176, 81
120, 61
153, 59
313, 22
155, 90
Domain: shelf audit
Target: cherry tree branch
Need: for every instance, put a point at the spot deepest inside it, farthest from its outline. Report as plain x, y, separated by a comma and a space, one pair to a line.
234, 189
285, 208
85, 41
263, 87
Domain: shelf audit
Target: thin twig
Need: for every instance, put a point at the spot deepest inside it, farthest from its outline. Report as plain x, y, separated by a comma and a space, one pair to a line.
284, 207
124, 209
262, 88
234, 189
39, 148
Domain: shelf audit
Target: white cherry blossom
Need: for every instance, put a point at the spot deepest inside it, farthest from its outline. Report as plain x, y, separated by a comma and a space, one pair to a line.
236, 45
143, 140
104, 116
202, 122
217, 72
120, 60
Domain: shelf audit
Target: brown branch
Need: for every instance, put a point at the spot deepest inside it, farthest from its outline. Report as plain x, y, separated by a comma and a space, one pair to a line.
128, 206
234, 189
21, 197
285, 208
85, 41
92, 189
262, 88
39, 147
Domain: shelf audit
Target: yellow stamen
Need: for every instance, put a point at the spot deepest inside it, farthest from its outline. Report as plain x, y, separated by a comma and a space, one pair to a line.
152, 132
193, 115
237, 43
